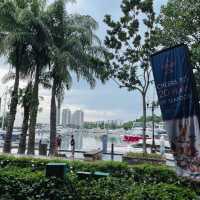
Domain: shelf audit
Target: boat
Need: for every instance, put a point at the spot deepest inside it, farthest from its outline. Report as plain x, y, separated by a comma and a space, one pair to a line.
132, 138
135, 135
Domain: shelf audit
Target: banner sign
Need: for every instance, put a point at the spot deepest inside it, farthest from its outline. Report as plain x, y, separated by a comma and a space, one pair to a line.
179, 105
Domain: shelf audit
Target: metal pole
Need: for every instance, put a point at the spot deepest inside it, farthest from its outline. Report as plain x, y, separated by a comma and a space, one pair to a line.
112, 151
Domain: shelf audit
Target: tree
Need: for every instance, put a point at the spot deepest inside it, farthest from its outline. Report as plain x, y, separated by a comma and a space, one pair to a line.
179, 23
60, 99
150, 119
90, 125
25, 96
73, 50
13, 37
130, 40
24, 99
40, 43
128, 125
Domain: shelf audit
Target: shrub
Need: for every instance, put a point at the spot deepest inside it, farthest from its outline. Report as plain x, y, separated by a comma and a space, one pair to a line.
27, 170
116, 168
161, 192
24, 183
53, 189
142, 155
110, 188
25, 174
153, 174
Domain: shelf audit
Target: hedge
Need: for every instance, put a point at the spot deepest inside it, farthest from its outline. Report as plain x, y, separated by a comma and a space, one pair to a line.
27, 176
40, 164
161, 192
142, 155
111, 188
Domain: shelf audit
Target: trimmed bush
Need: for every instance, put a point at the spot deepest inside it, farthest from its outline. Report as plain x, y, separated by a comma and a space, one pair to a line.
25, 174
23, 178
142, 155
52, 189
161, 192
110, 188
116, 168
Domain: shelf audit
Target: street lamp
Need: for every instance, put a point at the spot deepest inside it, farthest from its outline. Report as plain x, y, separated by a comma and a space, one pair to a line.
152, 106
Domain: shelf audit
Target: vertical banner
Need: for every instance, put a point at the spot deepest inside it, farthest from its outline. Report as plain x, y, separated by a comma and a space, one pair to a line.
179, 105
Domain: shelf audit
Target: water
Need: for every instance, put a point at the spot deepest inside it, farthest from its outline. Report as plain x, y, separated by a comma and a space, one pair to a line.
91, 141
86, 141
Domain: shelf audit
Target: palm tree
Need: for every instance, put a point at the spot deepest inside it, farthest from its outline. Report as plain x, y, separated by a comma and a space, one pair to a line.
25, 96
73, 49
60, 99
25, 101
40, 43
13, 45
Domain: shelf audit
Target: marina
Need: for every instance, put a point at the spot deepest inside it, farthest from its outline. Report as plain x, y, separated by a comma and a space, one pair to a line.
96, 139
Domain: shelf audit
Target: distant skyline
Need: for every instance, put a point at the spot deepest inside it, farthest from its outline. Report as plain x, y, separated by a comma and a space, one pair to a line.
105, 102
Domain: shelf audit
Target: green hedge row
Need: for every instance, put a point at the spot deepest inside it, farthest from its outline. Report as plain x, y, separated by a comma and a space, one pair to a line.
125, 181
142, 155
140, 173
116, 168
16, 185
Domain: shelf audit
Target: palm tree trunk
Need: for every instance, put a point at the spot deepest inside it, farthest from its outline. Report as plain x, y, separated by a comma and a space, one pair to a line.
12, 114
22, 142
53, 120
33, 114
58, 115
144, 123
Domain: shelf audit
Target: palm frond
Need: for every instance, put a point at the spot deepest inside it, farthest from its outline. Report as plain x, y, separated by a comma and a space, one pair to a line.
8, 77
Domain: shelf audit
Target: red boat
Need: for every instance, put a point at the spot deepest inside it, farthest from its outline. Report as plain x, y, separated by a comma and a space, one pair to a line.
133, 138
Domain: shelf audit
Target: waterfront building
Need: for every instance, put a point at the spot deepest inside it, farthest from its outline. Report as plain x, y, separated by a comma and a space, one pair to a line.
116, 122
66, 117
78, 118
109, 123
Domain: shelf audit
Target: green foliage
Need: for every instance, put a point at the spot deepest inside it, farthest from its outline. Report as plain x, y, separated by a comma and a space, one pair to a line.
25, 174
106, 188
90, 125
179, 23
157, 119
129, 47
131, 41
128, 125
154, 174
20, 180
161, 192
141, 155
116, 168
18, 189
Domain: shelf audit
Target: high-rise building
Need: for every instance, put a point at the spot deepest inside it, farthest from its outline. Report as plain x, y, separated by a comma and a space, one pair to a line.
78, 118
66, 117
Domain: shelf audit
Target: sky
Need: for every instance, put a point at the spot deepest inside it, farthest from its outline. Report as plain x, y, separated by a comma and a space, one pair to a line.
106, 101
